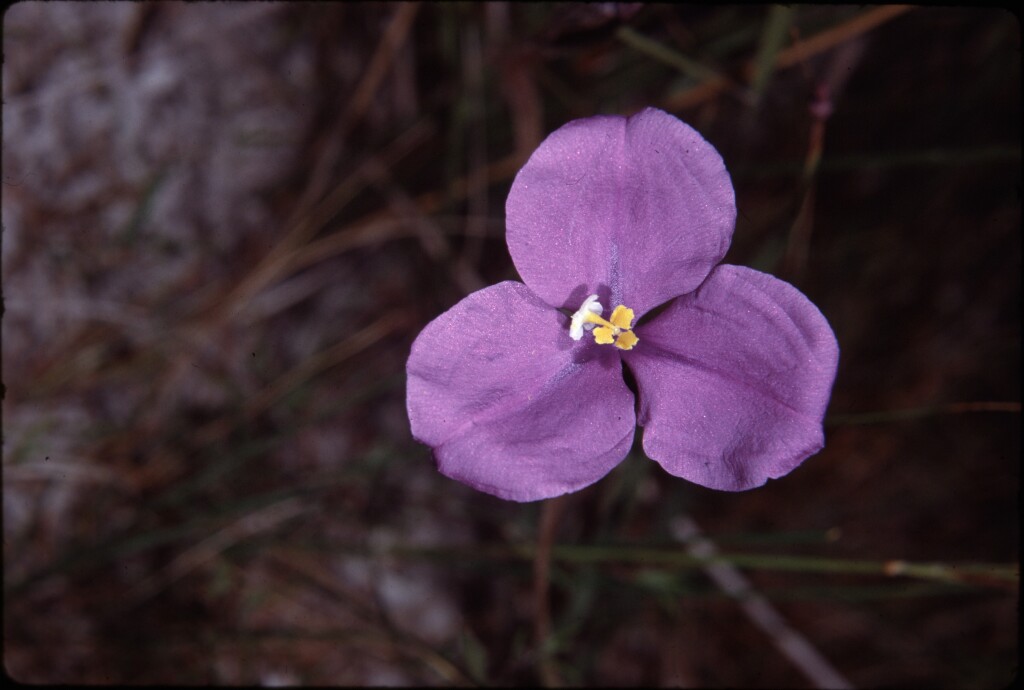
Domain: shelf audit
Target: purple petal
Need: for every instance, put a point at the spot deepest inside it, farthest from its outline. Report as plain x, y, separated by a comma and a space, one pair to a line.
734, 380
637, 210
500, 391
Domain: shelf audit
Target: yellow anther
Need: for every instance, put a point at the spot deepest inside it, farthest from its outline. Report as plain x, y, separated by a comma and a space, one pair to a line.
615, 330
604, 335
622, 317
626, 340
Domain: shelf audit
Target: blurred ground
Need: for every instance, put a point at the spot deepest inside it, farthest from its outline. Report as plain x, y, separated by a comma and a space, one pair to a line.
223, 225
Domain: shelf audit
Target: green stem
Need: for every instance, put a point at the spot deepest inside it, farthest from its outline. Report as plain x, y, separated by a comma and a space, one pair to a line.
976, 574
663, 53
920, 412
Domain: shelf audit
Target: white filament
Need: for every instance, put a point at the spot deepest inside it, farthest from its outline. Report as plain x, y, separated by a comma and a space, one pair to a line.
579, 324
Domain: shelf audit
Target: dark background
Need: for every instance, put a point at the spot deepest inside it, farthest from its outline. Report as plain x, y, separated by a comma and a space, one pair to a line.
223, 226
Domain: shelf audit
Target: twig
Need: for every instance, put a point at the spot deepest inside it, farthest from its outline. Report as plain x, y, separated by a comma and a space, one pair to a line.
550, 511
473, 71
396, 32
315, 575
278, 259
798, 52
359, 341
996, 575
824, 40
798, 243
919, 412
208, 549
662, 53
790, 642
433, 241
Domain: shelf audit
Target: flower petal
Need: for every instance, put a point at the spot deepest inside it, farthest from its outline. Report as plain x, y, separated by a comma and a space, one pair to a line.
734, 380
637, 210
510, 407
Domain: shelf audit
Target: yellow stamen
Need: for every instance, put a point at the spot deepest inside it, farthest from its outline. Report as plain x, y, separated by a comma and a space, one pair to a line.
604, 335
591, 317
627, 340
616, 330
622, 317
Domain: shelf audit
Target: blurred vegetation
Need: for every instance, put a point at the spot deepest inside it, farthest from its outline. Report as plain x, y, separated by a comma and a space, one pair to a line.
208, 473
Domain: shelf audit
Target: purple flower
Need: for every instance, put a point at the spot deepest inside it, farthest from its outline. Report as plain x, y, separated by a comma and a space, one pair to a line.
521, 400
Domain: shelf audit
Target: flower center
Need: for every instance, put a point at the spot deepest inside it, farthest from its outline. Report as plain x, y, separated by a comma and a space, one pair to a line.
616, 330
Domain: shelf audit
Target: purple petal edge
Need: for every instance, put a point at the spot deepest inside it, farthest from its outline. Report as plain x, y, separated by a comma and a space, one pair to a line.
497, 388
734, 380
637, 210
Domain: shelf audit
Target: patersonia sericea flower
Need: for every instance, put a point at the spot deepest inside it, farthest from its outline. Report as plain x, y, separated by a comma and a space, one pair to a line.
519, 388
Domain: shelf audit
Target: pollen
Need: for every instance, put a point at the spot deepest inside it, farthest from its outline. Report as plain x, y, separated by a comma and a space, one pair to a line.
617, 329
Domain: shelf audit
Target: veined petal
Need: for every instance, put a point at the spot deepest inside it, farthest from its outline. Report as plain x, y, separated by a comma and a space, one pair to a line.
495, 388
637, 210
734, 380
